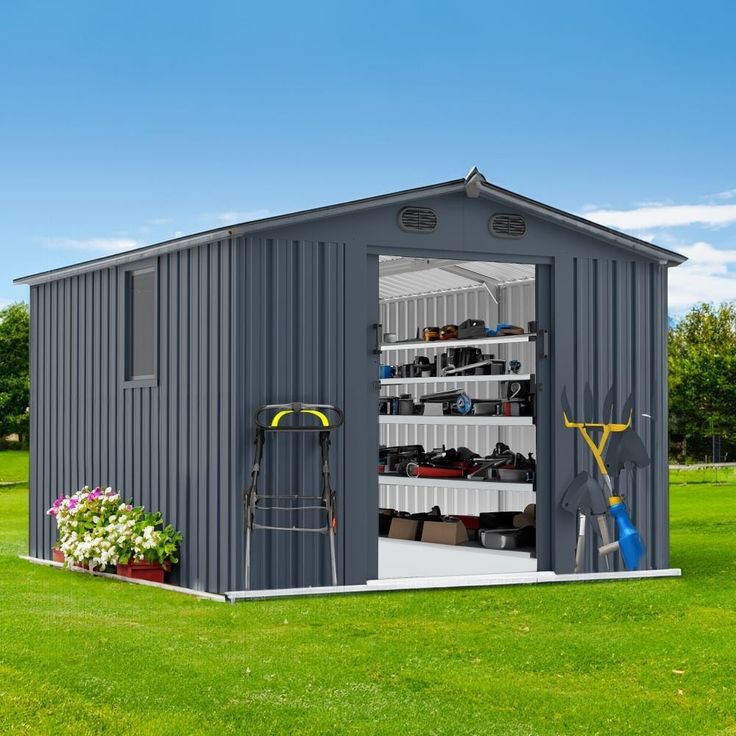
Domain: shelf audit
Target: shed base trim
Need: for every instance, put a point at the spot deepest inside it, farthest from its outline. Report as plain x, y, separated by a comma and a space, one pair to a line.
457, 581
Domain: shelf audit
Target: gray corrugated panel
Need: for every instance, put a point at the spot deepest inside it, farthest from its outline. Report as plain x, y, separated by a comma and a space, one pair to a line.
93, 431
619, 342
293, 350
34, 519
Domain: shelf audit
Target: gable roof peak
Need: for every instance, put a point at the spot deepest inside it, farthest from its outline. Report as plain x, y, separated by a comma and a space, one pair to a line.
474, 181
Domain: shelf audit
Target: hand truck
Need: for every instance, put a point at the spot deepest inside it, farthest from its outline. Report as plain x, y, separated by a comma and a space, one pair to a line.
256, 502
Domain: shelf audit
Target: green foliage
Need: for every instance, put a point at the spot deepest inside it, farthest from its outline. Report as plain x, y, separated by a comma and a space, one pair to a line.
151, 539
14, 370
702, 377
84, 655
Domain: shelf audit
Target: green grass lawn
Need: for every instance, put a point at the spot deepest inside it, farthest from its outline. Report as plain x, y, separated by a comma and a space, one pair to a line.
703, 475
13, 466
84, 655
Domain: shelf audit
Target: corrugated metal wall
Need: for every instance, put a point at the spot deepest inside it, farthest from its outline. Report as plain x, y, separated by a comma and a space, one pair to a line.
620, 308
170, 447
291, 323
403, 316
240, 325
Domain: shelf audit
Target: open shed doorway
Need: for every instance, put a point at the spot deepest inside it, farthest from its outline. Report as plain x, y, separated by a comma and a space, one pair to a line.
458, 436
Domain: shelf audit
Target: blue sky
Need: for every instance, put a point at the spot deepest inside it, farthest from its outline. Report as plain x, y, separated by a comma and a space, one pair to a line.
125, 124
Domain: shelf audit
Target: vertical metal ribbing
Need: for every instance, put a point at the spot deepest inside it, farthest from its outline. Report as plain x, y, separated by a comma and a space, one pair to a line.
292, 350
87, 428
620, 339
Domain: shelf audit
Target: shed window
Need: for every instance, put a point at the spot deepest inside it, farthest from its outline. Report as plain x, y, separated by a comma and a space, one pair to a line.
140, 325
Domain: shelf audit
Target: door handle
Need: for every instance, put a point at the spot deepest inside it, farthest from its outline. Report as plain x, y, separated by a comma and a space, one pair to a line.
379, 331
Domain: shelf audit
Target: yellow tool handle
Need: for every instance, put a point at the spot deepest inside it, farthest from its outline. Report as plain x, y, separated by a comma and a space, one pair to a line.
275, 421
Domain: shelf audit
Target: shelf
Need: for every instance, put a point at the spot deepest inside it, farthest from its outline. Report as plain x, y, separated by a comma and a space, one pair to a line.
455, 379
457, 483
445, 344
467, 421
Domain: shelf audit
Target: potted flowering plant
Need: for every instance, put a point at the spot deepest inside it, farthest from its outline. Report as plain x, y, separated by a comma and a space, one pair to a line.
98, 529
150, 550
91, 525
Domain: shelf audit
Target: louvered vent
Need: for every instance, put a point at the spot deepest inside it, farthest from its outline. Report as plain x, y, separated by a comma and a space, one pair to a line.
417, 220
507, 226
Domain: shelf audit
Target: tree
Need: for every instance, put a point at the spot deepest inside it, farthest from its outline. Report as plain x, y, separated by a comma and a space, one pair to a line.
14, 370
702, 377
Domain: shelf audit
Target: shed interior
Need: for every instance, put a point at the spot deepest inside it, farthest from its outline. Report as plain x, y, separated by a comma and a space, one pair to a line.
456, 512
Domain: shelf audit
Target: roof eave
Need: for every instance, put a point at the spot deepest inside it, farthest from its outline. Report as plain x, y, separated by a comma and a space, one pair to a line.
245, 228
567, 219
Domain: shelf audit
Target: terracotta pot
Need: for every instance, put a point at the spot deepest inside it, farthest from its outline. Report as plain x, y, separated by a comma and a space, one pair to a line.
57, 555
142, 570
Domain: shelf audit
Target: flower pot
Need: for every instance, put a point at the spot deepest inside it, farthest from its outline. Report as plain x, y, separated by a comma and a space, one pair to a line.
143, 570
57, 555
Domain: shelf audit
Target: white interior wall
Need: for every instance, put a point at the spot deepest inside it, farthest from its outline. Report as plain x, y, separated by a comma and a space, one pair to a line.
403, 316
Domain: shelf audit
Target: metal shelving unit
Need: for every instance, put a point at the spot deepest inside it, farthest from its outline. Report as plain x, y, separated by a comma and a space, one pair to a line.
468, 421
455, 483
455, 379
445, 344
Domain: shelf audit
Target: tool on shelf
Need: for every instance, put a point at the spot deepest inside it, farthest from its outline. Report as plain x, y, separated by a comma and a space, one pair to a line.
268, 419
469, 329
505, 465
580, 496
414, 462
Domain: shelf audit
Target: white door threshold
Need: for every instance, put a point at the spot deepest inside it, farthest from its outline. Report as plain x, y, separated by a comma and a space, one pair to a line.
456, 581
119, 578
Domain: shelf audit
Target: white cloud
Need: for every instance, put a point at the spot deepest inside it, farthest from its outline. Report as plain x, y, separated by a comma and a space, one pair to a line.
728, 194
656, 215
706, 277
5, 302
101, 245
230, 217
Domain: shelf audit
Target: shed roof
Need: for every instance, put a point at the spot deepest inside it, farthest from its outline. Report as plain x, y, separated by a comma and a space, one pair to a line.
474, 184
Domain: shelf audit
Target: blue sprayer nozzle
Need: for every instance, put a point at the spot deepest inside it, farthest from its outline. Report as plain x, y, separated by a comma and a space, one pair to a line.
629, 541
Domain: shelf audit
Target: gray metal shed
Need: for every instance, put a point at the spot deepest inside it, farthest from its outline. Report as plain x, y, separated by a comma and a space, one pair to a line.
286, 308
